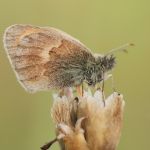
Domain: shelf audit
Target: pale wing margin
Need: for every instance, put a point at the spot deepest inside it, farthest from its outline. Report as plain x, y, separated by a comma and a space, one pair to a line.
28, 50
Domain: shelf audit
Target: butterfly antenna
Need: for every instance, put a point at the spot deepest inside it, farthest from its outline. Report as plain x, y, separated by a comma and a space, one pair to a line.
103, 94
121, 48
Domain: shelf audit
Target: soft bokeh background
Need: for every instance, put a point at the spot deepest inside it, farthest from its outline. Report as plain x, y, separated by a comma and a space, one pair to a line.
25, 121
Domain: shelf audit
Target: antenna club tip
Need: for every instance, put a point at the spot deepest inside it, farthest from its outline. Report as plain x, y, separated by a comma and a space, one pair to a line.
131, 44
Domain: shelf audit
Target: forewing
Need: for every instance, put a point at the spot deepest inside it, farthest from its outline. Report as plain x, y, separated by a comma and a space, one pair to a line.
44, 58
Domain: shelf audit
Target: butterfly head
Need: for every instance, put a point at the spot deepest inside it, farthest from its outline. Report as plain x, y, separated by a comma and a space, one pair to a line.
97, 71
106, 62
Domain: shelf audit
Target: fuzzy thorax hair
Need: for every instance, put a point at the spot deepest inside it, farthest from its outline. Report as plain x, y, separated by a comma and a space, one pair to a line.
98, 70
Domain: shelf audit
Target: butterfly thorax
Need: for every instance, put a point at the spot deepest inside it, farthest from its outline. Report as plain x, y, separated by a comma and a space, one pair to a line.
95, 71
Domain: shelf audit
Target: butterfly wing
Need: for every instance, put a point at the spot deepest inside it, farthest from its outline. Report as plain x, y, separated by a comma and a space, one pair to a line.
45, 58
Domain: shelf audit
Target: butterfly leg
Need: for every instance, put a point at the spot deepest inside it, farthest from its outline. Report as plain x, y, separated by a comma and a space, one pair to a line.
103, 86
103, 94
61, 92
80, 90
66, 92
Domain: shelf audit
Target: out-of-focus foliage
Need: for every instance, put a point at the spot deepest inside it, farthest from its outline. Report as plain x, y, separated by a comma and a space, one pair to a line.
25, 121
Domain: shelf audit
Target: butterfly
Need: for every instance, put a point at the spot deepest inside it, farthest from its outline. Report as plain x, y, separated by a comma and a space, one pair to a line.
45, 57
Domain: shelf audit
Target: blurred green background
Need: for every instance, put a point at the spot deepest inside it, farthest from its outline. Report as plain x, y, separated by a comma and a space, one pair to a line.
25, 121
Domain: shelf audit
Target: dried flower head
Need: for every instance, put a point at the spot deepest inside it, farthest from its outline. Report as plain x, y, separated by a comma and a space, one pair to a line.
103, 124
86, 123
68, 127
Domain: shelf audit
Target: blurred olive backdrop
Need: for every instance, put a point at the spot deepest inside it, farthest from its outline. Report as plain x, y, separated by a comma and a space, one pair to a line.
25, 121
